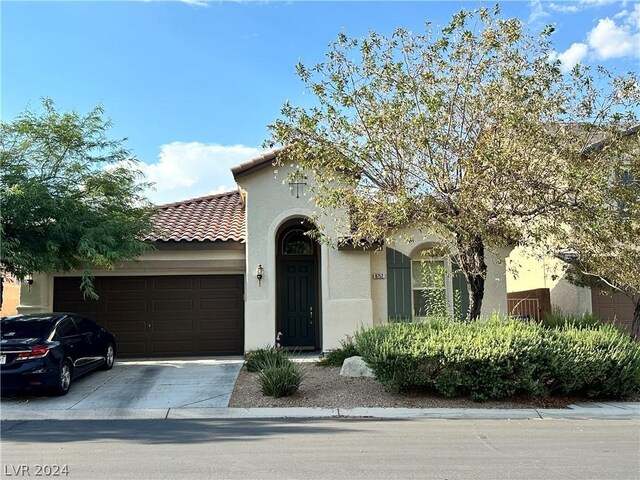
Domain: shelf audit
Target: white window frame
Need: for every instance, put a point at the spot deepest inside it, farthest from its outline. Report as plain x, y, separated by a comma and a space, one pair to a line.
448, 281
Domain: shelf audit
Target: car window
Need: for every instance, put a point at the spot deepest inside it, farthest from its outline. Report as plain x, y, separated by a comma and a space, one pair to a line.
85, 325
66, 328
11, 329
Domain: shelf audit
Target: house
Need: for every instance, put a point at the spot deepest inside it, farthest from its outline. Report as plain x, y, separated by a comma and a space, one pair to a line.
9, 294
532, 273
230, 271
529, 273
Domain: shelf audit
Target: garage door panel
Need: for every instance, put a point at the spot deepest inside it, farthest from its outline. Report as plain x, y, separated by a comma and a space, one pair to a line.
172, 305
125, 285
117, 306
615, 308
173, 284
221, 282
129, 349
219, 305
160, 316
178, 347
169, 326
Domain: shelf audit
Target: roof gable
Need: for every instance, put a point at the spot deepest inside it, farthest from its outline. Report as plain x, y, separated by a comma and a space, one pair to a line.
257, 163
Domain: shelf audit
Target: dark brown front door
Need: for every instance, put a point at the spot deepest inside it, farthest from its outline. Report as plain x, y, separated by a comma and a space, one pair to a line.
298, 303
163, 315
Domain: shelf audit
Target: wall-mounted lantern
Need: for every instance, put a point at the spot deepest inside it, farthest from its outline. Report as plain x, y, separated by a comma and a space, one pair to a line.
29, 280
259, 273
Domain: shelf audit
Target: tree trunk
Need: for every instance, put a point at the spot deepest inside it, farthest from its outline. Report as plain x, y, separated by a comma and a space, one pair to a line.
471, 262
635, 325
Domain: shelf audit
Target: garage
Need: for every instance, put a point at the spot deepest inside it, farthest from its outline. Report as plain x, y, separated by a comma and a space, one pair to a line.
156, 316
616, 307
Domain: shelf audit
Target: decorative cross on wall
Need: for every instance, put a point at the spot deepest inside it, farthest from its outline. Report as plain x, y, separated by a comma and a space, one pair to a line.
296, 186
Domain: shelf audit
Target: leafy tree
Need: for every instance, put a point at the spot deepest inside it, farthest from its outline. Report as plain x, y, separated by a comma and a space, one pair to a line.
602, 249
70, 197
471, 132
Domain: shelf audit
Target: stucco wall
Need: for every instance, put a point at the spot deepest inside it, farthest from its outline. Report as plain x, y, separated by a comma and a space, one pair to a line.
528, 270
345, 277
39, 297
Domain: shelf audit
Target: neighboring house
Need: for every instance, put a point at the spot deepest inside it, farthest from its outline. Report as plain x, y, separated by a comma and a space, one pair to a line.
232, 270
527, 272
9, 295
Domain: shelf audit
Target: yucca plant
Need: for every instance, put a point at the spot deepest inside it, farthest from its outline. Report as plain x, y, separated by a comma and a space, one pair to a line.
257, 360
280, 379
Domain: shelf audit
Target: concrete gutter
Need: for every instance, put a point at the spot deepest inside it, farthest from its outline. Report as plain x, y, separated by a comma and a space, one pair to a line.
588, 411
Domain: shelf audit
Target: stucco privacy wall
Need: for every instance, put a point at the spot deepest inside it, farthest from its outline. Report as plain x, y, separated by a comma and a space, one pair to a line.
527, 270
39, 298
345, 277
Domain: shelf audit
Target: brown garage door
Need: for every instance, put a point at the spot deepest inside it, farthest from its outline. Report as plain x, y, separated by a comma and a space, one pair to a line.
163, 315
616, 308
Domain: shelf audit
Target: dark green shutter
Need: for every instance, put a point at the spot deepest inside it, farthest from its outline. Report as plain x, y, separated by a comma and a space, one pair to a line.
398, 285
460, 285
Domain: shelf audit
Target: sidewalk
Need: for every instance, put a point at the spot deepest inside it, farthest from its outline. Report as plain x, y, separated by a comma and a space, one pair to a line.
586, 411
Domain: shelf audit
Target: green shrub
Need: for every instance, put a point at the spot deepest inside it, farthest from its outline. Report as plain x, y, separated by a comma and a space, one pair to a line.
337, 356
280, 380
501, 357
257, 360
558, 319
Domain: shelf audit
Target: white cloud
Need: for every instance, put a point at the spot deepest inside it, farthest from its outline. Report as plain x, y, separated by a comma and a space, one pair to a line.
564, 7
580, 5
192, 169
610, 40
633, 20
572, 56
537, 11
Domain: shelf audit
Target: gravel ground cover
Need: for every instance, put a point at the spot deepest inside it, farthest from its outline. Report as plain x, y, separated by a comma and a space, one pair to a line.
324, 387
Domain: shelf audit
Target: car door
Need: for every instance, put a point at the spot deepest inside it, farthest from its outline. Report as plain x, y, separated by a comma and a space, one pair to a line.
67, 334
92, 348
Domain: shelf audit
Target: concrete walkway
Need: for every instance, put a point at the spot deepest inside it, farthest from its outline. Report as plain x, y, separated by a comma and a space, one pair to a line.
590, 411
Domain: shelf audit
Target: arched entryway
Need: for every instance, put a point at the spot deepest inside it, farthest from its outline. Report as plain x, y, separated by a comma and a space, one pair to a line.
298, 309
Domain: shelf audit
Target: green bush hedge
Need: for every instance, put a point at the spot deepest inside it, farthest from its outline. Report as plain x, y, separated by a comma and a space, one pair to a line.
501, 357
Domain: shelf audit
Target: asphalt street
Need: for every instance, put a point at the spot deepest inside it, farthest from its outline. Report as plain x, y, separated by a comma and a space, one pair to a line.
322, 449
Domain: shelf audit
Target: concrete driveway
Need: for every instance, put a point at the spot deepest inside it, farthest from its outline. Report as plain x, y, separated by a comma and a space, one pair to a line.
143, 384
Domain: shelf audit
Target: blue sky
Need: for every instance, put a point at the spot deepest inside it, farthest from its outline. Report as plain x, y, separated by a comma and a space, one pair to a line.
194, 84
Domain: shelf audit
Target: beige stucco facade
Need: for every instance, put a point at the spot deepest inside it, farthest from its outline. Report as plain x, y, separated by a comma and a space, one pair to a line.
345, 290
350, 296
528, 270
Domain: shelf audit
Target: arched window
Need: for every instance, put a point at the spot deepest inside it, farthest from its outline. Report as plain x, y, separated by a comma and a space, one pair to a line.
295, 242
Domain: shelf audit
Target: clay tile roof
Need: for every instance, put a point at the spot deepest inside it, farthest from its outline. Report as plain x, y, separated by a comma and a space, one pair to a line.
257, 163
212, 218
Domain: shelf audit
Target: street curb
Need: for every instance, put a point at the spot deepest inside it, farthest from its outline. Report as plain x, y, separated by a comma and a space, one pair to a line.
609, 411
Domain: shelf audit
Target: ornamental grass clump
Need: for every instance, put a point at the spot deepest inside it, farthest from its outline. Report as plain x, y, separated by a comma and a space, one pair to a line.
280, 379
259, 359
336, 357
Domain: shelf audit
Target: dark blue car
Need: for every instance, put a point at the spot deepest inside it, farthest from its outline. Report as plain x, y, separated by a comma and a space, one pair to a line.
50, 350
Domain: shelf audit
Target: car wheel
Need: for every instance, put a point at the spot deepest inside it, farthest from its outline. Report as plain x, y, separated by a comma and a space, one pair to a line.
64, 379
109, 356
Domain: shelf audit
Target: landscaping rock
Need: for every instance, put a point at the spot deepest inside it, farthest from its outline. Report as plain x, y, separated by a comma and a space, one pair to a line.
355, 367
